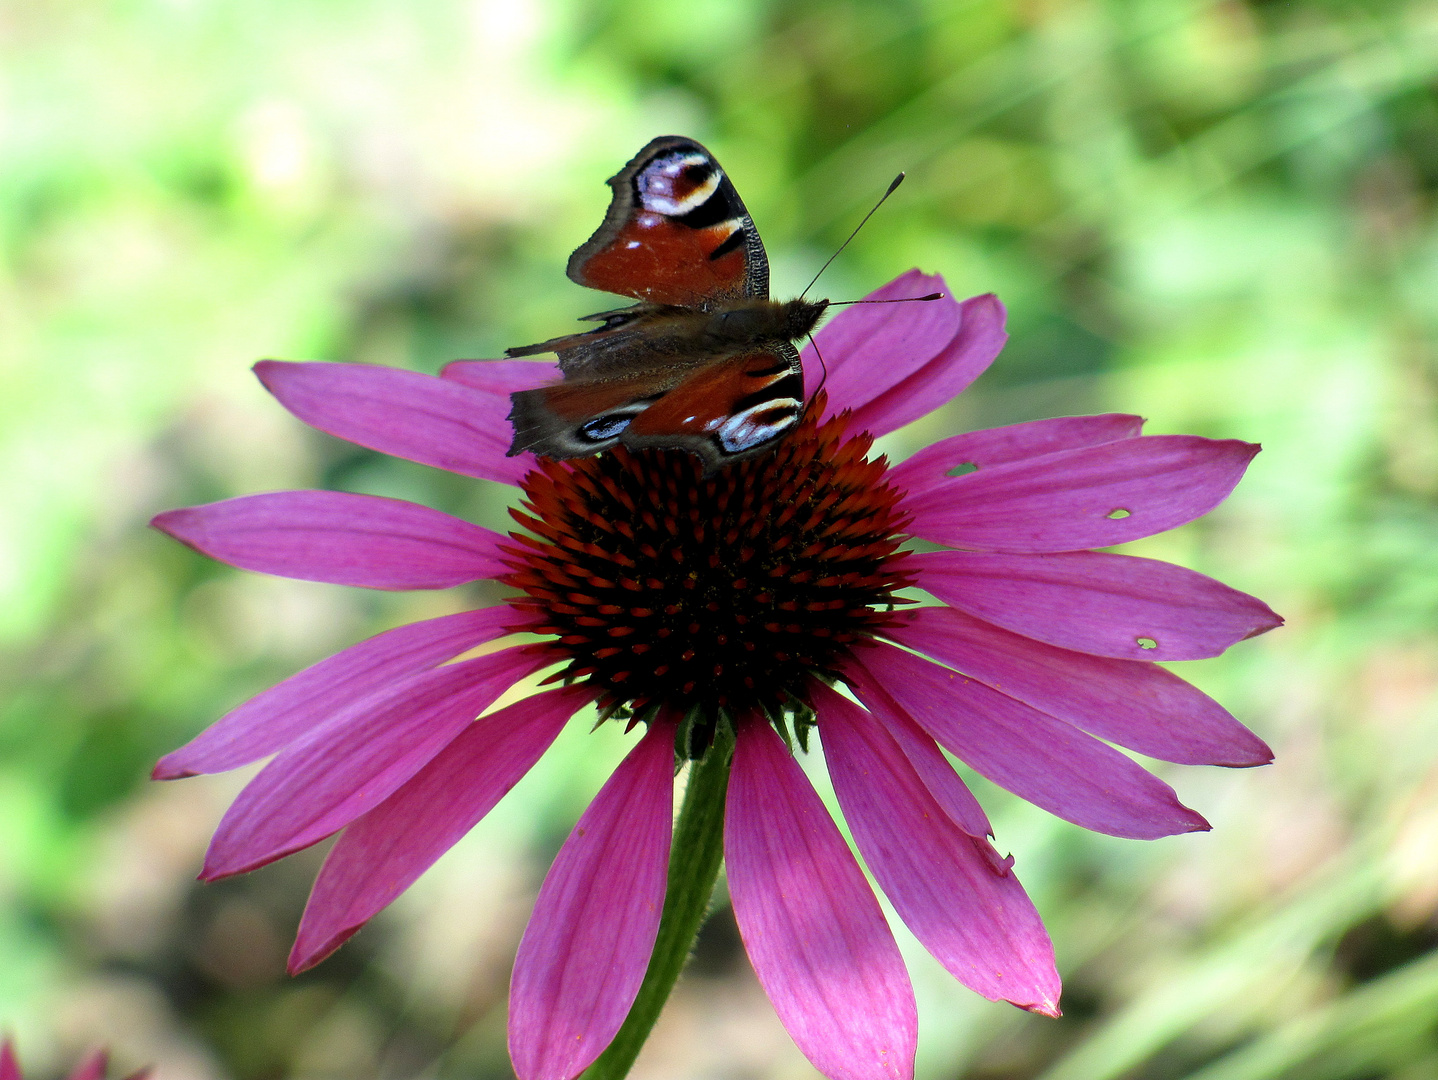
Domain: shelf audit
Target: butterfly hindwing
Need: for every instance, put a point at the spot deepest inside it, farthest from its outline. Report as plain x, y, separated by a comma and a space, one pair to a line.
722, 410
577, 418
676, 233
727, 410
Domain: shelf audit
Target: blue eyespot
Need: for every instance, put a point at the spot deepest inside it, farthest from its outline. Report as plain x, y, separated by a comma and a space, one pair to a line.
602, 428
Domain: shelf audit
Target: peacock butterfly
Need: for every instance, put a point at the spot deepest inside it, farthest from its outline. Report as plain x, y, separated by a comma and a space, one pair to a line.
705, 362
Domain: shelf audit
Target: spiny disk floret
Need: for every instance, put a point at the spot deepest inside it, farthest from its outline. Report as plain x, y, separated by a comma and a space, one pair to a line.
665, 586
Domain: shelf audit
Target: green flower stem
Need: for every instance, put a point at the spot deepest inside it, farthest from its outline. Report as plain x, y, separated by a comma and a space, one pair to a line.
693, 868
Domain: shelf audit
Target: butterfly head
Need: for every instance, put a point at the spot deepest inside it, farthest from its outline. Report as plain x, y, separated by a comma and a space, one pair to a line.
801, 316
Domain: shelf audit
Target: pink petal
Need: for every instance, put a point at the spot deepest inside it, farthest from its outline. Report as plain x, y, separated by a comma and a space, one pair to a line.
871, 348
944, 785
950, 888
93, 1067
1086, 498
810, 923
9, 1066
584, 953
1137, 705
354, 760
386, 849
998, 446
284, 712
338, 537
1032, 754
979, 339
501, 377
405, 413
1109, 605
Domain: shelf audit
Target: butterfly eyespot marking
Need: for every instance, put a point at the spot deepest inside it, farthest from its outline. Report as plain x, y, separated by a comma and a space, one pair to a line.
679, 185
604, 428
758, 424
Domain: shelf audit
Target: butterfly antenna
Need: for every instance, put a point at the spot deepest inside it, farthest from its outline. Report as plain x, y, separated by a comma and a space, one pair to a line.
891, 300
892, 188
823, 367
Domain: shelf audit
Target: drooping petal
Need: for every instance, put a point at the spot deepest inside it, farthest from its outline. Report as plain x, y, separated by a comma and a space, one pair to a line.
951, 889
998, 446
9, 1064
810, 923
871, 348
1141, 706
501, 377
979, 339
338, 537
408, 414
933, 769
271, 720
357, 758
1109, 605
383, 851
1091, 497
1032, 754
584, 953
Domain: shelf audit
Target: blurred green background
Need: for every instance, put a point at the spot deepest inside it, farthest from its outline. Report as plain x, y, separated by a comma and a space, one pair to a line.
1218, 214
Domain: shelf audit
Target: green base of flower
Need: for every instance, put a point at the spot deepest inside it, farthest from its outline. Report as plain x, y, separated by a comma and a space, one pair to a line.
694, 865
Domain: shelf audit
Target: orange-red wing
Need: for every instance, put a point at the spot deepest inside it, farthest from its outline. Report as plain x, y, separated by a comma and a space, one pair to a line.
726, 410
676, 233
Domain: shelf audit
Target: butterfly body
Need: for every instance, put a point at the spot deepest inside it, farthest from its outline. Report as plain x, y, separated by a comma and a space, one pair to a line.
705, 361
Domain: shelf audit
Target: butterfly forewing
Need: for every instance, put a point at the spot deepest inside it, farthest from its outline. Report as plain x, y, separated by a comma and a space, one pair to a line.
676, 233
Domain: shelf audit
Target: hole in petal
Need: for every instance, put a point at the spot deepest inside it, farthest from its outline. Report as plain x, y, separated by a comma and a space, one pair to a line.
963, 468
1117, 514
1146, 643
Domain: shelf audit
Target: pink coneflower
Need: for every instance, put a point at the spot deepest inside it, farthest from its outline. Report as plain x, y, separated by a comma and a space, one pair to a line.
92, 1068
735, 610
